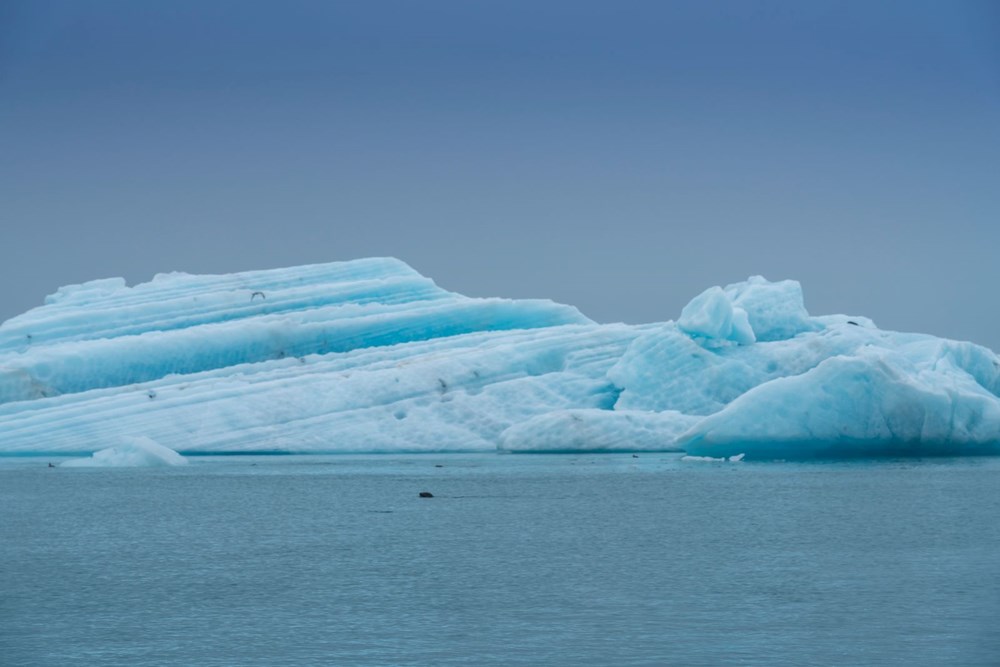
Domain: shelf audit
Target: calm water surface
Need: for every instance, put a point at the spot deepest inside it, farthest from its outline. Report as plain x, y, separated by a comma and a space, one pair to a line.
517, 560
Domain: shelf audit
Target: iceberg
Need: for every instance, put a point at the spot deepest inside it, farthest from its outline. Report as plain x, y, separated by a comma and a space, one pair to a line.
371, 356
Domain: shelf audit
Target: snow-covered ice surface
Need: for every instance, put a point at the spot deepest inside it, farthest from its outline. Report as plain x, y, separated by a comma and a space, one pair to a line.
370, 356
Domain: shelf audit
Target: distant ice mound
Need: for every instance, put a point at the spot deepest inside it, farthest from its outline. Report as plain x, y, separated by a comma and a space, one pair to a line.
136, 452
370, 356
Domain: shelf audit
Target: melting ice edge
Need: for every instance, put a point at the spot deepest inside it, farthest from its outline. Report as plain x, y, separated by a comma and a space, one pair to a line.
371, 356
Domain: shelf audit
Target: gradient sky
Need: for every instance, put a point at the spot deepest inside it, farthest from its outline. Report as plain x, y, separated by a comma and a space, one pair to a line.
619, 156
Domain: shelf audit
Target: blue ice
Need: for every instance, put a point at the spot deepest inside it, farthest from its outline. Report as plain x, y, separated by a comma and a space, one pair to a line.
371, 356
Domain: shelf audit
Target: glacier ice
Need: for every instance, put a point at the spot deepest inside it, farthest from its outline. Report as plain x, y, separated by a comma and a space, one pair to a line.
103, 334
580, 430
909, 401
712, 315
133, 452
371, 356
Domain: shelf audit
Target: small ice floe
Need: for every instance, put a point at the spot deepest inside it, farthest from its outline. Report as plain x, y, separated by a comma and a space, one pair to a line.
134, 452
712, 459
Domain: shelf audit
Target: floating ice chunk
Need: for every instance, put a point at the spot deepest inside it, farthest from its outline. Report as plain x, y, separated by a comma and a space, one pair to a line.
134, 452
371, 356
597, 430
713, 459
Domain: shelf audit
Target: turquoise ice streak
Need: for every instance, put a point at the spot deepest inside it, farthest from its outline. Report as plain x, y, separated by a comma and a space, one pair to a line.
370, 356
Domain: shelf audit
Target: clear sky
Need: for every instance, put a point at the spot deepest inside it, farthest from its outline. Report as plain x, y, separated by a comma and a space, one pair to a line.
619, 156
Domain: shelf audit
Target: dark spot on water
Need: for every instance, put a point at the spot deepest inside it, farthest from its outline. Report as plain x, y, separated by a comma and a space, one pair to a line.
426, 494
438, 465
399, 414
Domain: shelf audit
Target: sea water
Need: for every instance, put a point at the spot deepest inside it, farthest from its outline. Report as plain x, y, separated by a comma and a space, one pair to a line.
516, 560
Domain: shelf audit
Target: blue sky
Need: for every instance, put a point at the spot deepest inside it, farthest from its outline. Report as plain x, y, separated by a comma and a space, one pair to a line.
619, 156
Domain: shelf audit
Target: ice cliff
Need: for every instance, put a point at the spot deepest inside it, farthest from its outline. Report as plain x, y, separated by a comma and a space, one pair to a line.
370, 356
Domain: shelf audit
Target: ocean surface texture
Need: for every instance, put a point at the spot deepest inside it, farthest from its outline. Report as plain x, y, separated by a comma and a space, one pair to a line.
589, 559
